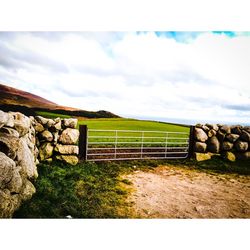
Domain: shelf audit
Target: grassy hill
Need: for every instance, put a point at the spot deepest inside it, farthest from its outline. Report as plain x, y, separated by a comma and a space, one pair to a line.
12, 99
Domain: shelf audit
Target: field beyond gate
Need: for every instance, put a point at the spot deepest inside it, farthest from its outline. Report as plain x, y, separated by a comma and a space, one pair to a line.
132, 144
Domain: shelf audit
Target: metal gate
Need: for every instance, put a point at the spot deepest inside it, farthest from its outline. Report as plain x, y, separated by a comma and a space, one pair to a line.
105, 145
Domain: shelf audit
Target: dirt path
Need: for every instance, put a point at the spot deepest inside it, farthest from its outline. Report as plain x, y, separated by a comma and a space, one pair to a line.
170, 192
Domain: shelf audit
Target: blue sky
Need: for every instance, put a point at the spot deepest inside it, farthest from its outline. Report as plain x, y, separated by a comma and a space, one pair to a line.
169, 76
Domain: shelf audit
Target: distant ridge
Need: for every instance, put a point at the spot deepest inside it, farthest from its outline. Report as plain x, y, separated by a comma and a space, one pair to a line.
12, 99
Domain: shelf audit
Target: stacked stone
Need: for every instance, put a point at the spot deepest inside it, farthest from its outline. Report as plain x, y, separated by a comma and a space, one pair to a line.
18, 155
231, 141
56, 139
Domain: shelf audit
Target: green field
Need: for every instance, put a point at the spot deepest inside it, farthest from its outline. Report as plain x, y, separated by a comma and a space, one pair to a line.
128, 125
132, 124
121, 123
133, 134
135, 126
51, 115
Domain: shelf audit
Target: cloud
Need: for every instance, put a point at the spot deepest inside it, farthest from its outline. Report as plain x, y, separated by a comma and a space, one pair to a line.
177, 75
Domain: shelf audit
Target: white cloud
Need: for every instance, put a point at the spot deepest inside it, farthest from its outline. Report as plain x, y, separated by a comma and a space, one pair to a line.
134, 75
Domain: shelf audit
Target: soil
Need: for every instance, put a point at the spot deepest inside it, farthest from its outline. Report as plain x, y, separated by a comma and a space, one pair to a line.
172, 192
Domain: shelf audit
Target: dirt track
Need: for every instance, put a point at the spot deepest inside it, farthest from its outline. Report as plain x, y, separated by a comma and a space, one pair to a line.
170, 192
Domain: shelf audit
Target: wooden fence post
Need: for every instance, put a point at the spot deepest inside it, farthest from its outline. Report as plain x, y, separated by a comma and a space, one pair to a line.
191, 142
82, 144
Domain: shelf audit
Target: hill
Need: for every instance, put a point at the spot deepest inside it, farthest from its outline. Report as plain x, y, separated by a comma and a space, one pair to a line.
12, 99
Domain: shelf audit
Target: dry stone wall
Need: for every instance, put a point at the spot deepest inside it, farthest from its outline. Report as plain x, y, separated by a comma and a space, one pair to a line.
24, 141
233, 142
57, 139
18, 155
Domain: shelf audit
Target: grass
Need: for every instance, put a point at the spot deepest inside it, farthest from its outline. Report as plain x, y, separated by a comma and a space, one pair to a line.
51, 115
132, 124
133, 133
88, 190
100, 190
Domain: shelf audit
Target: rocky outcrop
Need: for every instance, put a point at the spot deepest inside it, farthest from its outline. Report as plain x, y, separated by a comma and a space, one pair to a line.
230, 141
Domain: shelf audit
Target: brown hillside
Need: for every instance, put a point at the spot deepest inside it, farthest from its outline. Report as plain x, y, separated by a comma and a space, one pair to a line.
13, 96
12, 99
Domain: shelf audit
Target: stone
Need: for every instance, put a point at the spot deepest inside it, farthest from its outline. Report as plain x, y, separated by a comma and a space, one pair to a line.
241, 146
7, 166
70, 159
245, 136
46, 136
41, 120
232, 137
36, 152
236, 129
21, 123
225, 129
46, 151
3, 118
9, 145
9, 131
26, 160
28, 191
230, 156
198, 125
39, 127
205, 128
67, 149
226, 145
69, 136
211, 133
8, 203
10, 121
221, 136
70, 123
38, 144
202, 156
243, 156
50, 123
58, 125
200, 147
15, 185
213, 144
49, 160
213, 126
56, 137
247, 128
200, 135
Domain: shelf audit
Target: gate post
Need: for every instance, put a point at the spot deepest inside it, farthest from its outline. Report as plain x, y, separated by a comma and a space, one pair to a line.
191, 142
82, 144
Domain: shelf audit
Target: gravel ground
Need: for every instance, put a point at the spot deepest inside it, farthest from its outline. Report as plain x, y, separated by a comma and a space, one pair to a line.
171, 192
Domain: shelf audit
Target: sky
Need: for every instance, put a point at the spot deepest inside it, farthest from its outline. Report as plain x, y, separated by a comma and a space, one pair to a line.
184, 77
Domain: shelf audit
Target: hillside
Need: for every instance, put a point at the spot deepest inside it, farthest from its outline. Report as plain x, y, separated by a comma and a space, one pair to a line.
12, 99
